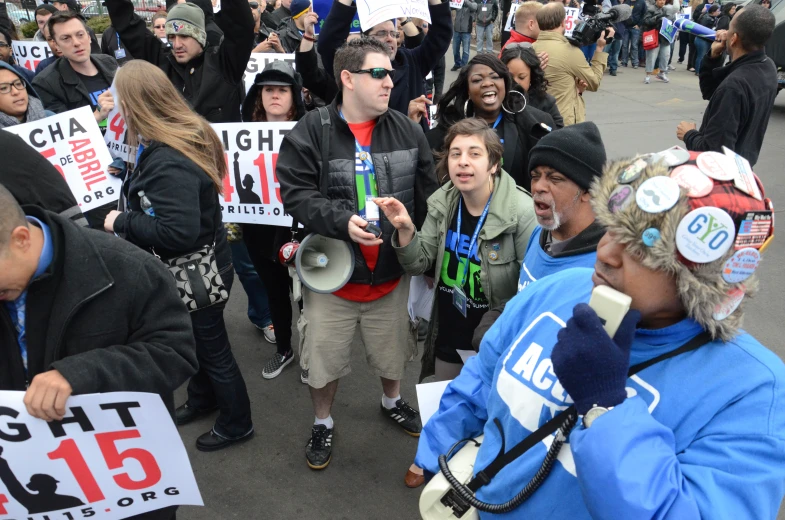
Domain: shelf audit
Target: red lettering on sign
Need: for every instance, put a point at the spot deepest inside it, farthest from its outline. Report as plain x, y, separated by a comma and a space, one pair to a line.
275, 179
78, 144
81, 157
51, 153
3, 501
114, 459
259, 163
69, 452
117, 125
228, 190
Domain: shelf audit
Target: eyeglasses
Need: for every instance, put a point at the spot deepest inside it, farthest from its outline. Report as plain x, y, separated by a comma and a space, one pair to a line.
254, 5
4, 44
381, 35
159, 26
5, 88
376, 73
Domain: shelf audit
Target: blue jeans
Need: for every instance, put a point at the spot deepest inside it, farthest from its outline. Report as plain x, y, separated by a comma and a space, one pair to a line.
258, 308
588, 51
613, 54
701, 48
459, 39
629, 46
485, 37
219, 381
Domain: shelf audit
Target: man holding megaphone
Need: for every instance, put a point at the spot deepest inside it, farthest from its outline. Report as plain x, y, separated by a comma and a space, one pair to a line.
331, 166
741, 94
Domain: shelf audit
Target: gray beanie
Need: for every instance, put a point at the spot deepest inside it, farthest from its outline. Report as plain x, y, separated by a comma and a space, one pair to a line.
186, 20
576, 151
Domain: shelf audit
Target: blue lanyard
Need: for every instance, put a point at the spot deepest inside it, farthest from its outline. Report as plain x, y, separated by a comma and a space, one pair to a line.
118, 40
498, 120
362, 153
474, 236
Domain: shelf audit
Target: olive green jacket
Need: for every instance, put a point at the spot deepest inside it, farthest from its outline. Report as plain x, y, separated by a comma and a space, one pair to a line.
501, 246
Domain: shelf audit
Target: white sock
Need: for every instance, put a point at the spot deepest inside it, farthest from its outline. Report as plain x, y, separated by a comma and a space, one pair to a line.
328, 422
389, 402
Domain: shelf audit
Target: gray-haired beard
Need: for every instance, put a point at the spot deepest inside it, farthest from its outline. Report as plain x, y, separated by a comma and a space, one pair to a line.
556, 219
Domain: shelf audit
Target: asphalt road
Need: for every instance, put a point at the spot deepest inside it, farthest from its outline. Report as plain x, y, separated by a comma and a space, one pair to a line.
268, 478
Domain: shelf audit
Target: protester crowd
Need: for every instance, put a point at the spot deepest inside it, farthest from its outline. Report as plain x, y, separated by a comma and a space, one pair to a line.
504, 203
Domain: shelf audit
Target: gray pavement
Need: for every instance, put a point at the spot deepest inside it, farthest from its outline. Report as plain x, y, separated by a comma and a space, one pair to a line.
268, 478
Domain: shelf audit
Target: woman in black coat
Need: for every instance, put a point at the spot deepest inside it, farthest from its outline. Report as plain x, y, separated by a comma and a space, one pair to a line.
524, 66
485, 89
172, 209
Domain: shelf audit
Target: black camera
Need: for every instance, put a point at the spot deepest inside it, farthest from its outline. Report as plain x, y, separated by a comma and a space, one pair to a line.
590, 29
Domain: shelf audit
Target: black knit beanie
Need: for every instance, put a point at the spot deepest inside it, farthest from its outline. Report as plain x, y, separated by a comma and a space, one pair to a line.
576, 151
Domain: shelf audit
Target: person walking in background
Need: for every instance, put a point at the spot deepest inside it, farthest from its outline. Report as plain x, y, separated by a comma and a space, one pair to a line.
615, 48
659, 55
276, 96
487, 11
172, 210
631, 39
462, 33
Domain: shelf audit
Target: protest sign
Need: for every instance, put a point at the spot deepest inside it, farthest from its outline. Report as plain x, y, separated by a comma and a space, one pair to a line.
510, 24
571, 20
258, 62
456, 4
322, 8
251, 190
116, 136
668, 30
114, 455
373, 12
30, 54
74, 145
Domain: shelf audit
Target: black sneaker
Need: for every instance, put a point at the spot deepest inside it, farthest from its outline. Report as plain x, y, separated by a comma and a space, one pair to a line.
319, 450
277, 363
404, 415
455, 67
187, 414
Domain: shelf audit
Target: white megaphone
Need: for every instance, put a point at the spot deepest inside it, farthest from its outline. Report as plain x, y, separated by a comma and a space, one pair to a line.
437, 501
323, 264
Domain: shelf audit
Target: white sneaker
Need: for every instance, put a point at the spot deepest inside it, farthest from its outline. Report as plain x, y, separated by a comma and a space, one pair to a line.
269, 333
304, 376
647, 79
663, 77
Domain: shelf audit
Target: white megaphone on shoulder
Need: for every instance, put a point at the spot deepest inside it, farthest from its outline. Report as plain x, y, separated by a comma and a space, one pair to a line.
323, 264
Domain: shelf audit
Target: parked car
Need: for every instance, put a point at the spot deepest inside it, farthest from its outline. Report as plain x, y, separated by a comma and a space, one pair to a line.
775, 49
17, 14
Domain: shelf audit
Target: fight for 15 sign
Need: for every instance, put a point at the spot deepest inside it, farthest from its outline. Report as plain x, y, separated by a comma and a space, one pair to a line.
114, 455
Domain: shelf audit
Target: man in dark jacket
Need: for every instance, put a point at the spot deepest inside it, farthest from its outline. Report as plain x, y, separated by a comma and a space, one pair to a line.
292, 29
32, 179
114, 324
79, 78
214, 33
741, 94
411, 65
210, 78
631, 38
112, 45
372, 152
279, 15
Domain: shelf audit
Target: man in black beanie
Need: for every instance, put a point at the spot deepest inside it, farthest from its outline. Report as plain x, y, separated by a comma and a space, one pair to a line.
563, 164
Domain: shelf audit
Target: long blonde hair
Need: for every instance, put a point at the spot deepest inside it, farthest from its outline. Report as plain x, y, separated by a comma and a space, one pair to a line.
154, 110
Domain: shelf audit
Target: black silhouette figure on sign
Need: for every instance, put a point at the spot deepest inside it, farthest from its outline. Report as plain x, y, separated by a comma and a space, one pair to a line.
244, 188
44, 497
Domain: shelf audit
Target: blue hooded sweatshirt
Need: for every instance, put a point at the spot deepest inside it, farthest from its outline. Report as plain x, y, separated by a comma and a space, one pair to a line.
701, 435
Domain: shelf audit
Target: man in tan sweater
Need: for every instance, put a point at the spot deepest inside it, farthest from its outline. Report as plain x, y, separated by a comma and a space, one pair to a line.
568, 73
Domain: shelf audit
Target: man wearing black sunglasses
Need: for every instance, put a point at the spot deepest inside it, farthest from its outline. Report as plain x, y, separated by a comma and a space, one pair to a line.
411, 65
372, 152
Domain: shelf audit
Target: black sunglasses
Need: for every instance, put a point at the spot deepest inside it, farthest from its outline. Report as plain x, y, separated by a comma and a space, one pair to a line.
376, 73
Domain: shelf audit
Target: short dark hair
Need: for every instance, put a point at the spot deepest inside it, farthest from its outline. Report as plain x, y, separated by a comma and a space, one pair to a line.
352, 55
754, 25
63, 17
469, 126
551, 16
11, 216
539, 85
44, 9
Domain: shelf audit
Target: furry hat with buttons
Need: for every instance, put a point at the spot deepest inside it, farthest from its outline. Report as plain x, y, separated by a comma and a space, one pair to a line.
701, 217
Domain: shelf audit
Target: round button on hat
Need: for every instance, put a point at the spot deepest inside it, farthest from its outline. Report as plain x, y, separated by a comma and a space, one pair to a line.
632, 171
741, 265
693, 180
651, 236
729, 304
620, 198
705, 234
657, 194
673, 156
718, 166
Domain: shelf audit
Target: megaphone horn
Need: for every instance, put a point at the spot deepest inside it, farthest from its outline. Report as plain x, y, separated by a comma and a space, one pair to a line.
323, 264
695, 28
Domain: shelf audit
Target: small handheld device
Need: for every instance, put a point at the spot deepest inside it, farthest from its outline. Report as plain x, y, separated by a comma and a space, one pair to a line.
611, 306
374, 230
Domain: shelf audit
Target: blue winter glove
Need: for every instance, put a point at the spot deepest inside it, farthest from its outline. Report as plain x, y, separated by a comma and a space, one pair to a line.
590, 365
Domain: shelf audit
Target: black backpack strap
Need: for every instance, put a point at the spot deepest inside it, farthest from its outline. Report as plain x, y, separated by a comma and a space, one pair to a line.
503, 459
324, 115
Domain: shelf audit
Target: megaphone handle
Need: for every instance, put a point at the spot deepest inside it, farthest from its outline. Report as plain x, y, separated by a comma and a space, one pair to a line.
297, 285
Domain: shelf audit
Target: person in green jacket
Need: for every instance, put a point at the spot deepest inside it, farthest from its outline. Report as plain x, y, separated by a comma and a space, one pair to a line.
474, 237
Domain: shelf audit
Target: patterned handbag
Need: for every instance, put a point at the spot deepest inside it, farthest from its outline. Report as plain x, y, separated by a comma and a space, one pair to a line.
197, 279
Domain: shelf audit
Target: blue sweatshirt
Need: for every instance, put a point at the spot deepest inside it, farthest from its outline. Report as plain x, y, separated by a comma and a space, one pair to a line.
538, 264
701, 435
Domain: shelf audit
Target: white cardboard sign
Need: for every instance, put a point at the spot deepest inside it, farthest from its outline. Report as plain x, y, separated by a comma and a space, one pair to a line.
252, 193
259, 61
115, 136
114, 455
29, 54
373, 12
74, 145
571, 20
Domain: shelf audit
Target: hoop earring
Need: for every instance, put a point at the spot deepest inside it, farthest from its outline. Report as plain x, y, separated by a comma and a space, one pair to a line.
443, 184
524, 103
466, 109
